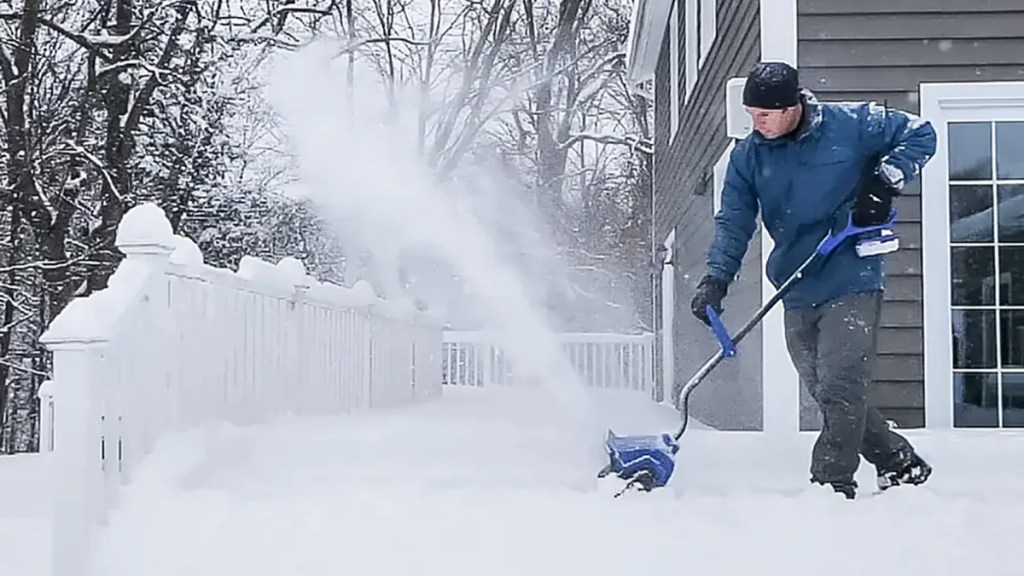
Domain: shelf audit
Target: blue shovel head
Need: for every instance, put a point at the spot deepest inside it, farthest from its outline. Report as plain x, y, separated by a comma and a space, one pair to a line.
649, 460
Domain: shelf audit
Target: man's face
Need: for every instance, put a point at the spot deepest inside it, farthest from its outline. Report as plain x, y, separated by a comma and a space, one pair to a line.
774, 123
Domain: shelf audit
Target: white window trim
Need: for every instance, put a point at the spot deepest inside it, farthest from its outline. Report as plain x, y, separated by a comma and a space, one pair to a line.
719, 179
941, 103
668, 294
692, 45
673, 48
708, 28
781, 385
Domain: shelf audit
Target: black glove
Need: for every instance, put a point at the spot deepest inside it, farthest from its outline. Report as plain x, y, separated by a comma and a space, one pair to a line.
710, 291
874, 201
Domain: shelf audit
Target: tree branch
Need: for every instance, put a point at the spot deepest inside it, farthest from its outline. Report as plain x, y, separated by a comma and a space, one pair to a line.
643, 145
286, 10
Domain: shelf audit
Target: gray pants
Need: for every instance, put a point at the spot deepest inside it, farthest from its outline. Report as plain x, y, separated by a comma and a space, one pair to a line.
833, 348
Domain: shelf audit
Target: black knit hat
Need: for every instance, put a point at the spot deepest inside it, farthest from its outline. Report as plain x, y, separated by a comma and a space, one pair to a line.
772, 85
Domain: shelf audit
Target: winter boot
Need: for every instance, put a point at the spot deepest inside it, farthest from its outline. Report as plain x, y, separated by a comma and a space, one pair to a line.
847, 489
914, 470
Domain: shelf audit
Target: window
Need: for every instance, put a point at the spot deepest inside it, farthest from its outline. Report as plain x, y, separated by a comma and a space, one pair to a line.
986, 213
673, 53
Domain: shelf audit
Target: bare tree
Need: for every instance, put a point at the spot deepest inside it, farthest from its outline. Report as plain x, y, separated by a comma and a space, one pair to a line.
106, 104
112, 102
538, 87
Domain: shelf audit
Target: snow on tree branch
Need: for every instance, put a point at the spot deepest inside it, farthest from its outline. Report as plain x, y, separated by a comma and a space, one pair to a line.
380, 40
643, 145
283, 11
161, 74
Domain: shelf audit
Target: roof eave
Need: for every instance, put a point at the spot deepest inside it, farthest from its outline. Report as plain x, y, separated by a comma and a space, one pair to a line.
647, 25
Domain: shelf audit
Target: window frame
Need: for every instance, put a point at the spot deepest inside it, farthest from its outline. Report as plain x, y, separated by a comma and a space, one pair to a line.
942, 104
673, 47
691, 41
707, 29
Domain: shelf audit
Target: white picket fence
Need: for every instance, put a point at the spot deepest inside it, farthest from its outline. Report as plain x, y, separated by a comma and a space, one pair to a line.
601, 360
173, 344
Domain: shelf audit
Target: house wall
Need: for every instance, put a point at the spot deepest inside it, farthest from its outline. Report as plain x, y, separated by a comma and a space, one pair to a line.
731, 396
882, 50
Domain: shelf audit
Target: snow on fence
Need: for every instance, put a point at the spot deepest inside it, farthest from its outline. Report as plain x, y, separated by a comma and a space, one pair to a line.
622, 361
173, 343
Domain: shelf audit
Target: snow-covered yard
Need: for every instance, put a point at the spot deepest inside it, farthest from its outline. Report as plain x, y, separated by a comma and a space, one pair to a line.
24, 515
500, 482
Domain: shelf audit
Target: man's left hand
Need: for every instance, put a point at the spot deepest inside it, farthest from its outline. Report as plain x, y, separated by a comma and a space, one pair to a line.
874, 202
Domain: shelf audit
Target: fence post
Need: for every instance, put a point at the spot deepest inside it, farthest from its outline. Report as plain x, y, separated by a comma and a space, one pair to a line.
147, 241
85, 398
657, 384
45, 395
296, 274
81, 454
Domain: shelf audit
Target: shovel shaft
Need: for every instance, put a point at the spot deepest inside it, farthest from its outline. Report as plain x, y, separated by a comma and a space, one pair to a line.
684, 395
825, 247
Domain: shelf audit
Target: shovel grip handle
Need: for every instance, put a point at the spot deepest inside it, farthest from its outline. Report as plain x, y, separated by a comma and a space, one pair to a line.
721, 333
833, 240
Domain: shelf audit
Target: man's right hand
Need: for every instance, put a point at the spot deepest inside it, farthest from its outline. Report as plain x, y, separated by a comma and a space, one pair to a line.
710, 292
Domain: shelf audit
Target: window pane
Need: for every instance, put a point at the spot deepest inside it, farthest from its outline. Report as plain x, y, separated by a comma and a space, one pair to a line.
1011, 273
974, 271
970, 213
970, 151
1011, 213
974, 339
1013, 400
1011, 326
975, 401
1010, 150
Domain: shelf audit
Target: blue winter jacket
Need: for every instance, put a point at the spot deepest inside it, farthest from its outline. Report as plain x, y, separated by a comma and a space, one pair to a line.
801, 182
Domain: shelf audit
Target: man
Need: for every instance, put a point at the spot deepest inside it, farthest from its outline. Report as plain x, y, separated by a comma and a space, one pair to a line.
805, 166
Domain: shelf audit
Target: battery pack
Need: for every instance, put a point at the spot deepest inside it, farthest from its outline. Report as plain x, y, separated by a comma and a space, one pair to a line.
886, 242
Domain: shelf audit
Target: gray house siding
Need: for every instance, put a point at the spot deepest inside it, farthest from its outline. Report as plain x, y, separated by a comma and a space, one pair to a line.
882, 50
731, 396
661, 140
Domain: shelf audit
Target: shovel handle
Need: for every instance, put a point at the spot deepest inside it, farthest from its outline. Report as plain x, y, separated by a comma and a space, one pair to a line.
728, 343
833, 240
721, 333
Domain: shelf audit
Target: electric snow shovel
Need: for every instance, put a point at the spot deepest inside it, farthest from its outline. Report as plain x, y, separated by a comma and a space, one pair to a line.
647, 461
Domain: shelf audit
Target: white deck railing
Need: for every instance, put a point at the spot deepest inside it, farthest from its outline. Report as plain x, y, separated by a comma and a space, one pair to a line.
621, 361
172, 344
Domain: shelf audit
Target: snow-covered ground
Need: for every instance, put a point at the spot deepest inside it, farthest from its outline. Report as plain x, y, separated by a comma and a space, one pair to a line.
500, 482
24, 515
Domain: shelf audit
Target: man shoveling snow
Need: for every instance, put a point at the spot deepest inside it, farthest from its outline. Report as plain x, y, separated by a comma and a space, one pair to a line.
803, 166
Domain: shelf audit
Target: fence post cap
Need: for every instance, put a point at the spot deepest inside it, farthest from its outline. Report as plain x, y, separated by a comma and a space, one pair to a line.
295, 271
365, 291
186, 253
84, 322
145, 229
45, 390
